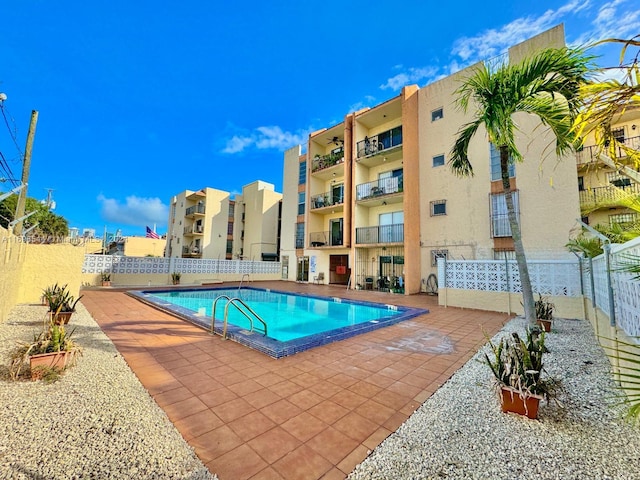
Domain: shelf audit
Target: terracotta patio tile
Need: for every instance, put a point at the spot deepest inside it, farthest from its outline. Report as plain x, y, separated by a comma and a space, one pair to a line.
375, 411
365, 389
267, 474
198, 424
262, 398
333, 474
274, 444
172, 396
269, 379
348, 399
241, 463
354, 458
376, 438
217, 397
230, 378
281, 411
328, 411
342, 380
356, 426
215, 443
303, 463
305, 399
394, 422
304, 426
392, 399
404, 389
184, 408
233, 409
199, 383
332, 444
251, 425
325, 389
245, 387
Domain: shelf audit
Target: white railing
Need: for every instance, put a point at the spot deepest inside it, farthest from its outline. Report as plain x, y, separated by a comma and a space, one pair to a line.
139, 265
626, 291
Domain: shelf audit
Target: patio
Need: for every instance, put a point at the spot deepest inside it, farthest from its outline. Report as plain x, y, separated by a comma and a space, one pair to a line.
313, 415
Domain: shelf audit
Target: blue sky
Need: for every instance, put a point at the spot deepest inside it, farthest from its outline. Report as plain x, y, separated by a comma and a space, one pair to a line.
139, 100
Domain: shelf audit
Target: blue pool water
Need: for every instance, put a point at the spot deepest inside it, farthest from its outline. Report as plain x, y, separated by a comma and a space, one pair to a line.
294, 322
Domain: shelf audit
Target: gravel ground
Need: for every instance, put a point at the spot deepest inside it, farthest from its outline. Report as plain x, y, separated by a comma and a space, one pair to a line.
460, 432
96, 422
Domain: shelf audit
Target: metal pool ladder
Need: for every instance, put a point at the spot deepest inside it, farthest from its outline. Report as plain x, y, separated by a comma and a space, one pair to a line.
242, 280
243, 308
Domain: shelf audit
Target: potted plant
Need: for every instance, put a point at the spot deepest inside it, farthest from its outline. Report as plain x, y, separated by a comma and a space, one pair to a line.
61, 303
175, 278
544, 313
51, 351
517, 366
106, 279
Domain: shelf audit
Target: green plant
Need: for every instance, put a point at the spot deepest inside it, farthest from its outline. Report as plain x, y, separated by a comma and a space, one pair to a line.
106, 277
175, 276
544, 309
60, 299
517, 364
627, 356
52, 339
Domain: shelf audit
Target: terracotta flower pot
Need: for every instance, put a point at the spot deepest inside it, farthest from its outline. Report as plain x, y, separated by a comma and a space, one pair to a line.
513, 402
57, 360
544, 324
106, 283
62, 318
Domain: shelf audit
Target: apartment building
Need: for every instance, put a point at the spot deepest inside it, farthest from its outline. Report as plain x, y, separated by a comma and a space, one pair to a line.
381, 204
208, 223
604, 190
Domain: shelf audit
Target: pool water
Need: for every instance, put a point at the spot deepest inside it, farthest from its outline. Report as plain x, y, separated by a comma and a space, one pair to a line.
295, 322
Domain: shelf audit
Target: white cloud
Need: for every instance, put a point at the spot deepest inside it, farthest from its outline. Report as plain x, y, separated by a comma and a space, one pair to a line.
613, 21
136, 211
411, 75
266, 137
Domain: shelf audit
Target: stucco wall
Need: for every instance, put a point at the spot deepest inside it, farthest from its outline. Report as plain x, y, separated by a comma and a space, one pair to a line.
11, 262
148, 279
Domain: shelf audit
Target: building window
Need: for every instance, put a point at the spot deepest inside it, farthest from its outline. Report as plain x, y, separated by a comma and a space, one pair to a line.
581, 184
232, 210
285, 267
300, 203
622, 218
438, 160
618, 134
302, 173
614, 178
438, 207
500, 226
229, 246
230, 228
504, 254
584, 220
436, 254
437, 115
496, 171
300, 235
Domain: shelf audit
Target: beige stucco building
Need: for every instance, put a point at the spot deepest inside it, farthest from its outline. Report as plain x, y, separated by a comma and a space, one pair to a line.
208, 223
379, 203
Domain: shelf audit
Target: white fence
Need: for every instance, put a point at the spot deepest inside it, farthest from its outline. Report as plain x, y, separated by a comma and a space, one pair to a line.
559, 278
137, 265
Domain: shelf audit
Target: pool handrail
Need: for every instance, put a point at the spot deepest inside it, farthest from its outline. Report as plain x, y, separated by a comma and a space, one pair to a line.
234, 301
242, 280
213, 310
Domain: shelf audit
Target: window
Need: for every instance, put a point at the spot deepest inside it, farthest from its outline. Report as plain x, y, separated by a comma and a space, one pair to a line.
436, 254
437, 115
230, 228
438, 160
438, 207
499, 219
504, 254
581, 184
618, 134
232, 209
299, 235
229, 246
622, 218
614, 178
585, 220
302, 173
285, 267
301, 203
496, 172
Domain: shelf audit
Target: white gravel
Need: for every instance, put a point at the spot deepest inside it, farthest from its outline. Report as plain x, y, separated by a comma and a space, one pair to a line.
97, 422
460, 432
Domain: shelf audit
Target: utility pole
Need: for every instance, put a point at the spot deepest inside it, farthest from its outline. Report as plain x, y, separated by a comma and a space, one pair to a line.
26, 166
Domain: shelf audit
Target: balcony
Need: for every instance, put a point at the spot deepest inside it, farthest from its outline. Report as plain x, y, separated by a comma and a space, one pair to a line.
195, 211
607, 196
381, 143
326, 239
380, 234
590, 154
381, 188
322, 162
191, 252
332, 200
194, 230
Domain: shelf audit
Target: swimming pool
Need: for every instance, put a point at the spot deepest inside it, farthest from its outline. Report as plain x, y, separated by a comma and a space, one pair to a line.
294, 322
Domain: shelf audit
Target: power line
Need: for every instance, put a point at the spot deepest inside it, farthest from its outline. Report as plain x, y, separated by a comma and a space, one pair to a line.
7, 170
12, 133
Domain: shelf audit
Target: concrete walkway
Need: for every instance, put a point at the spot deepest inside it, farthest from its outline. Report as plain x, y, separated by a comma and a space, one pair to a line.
314, 415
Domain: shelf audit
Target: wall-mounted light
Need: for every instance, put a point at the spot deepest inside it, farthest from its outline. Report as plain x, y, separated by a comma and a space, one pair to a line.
384, 203
633, 127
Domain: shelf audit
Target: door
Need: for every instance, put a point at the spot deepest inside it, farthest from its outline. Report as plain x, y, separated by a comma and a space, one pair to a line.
390, 227
337, 194
302, 272
336, 231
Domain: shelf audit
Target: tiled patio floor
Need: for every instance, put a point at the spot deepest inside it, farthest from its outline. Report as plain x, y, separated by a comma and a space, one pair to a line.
313, 415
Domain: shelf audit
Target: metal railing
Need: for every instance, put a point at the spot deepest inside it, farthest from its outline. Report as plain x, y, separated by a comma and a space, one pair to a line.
326, 199
379, 143
607, 194
325, 239
195, 209
380, 187
242, 307
320, 162
193, 229
380, 234
590, 153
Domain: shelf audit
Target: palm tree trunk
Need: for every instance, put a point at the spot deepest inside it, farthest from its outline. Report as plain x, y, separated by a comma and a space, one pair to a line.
521, 259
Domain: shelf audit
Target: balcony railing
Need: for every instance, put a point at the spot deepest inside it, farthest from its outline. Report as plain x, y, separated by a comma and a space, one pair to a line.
191, 252
326, 199
379, 143
590, 153
299, 242
320, 162
325, 239
380, 234
607, 195
380, 187
191, 229
195, 209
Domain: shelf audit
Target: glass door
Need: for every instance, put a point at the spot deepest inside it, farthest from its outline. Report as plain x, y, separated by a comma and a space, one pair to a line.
336, 231
302, 273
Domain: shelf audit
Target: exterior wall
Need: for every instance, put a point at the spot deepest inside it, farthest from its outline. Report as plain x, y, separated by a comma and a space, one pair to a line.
142, 246
261, 205
12, 261
155, 280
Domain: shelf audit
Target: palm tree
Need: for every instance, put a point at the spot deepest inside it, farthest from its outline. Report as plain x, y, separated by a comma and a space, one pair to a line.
547, 85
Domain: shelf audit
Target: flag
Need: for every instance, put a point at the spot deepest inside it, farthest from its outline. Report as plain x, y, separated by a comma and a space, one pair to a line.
151, 234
